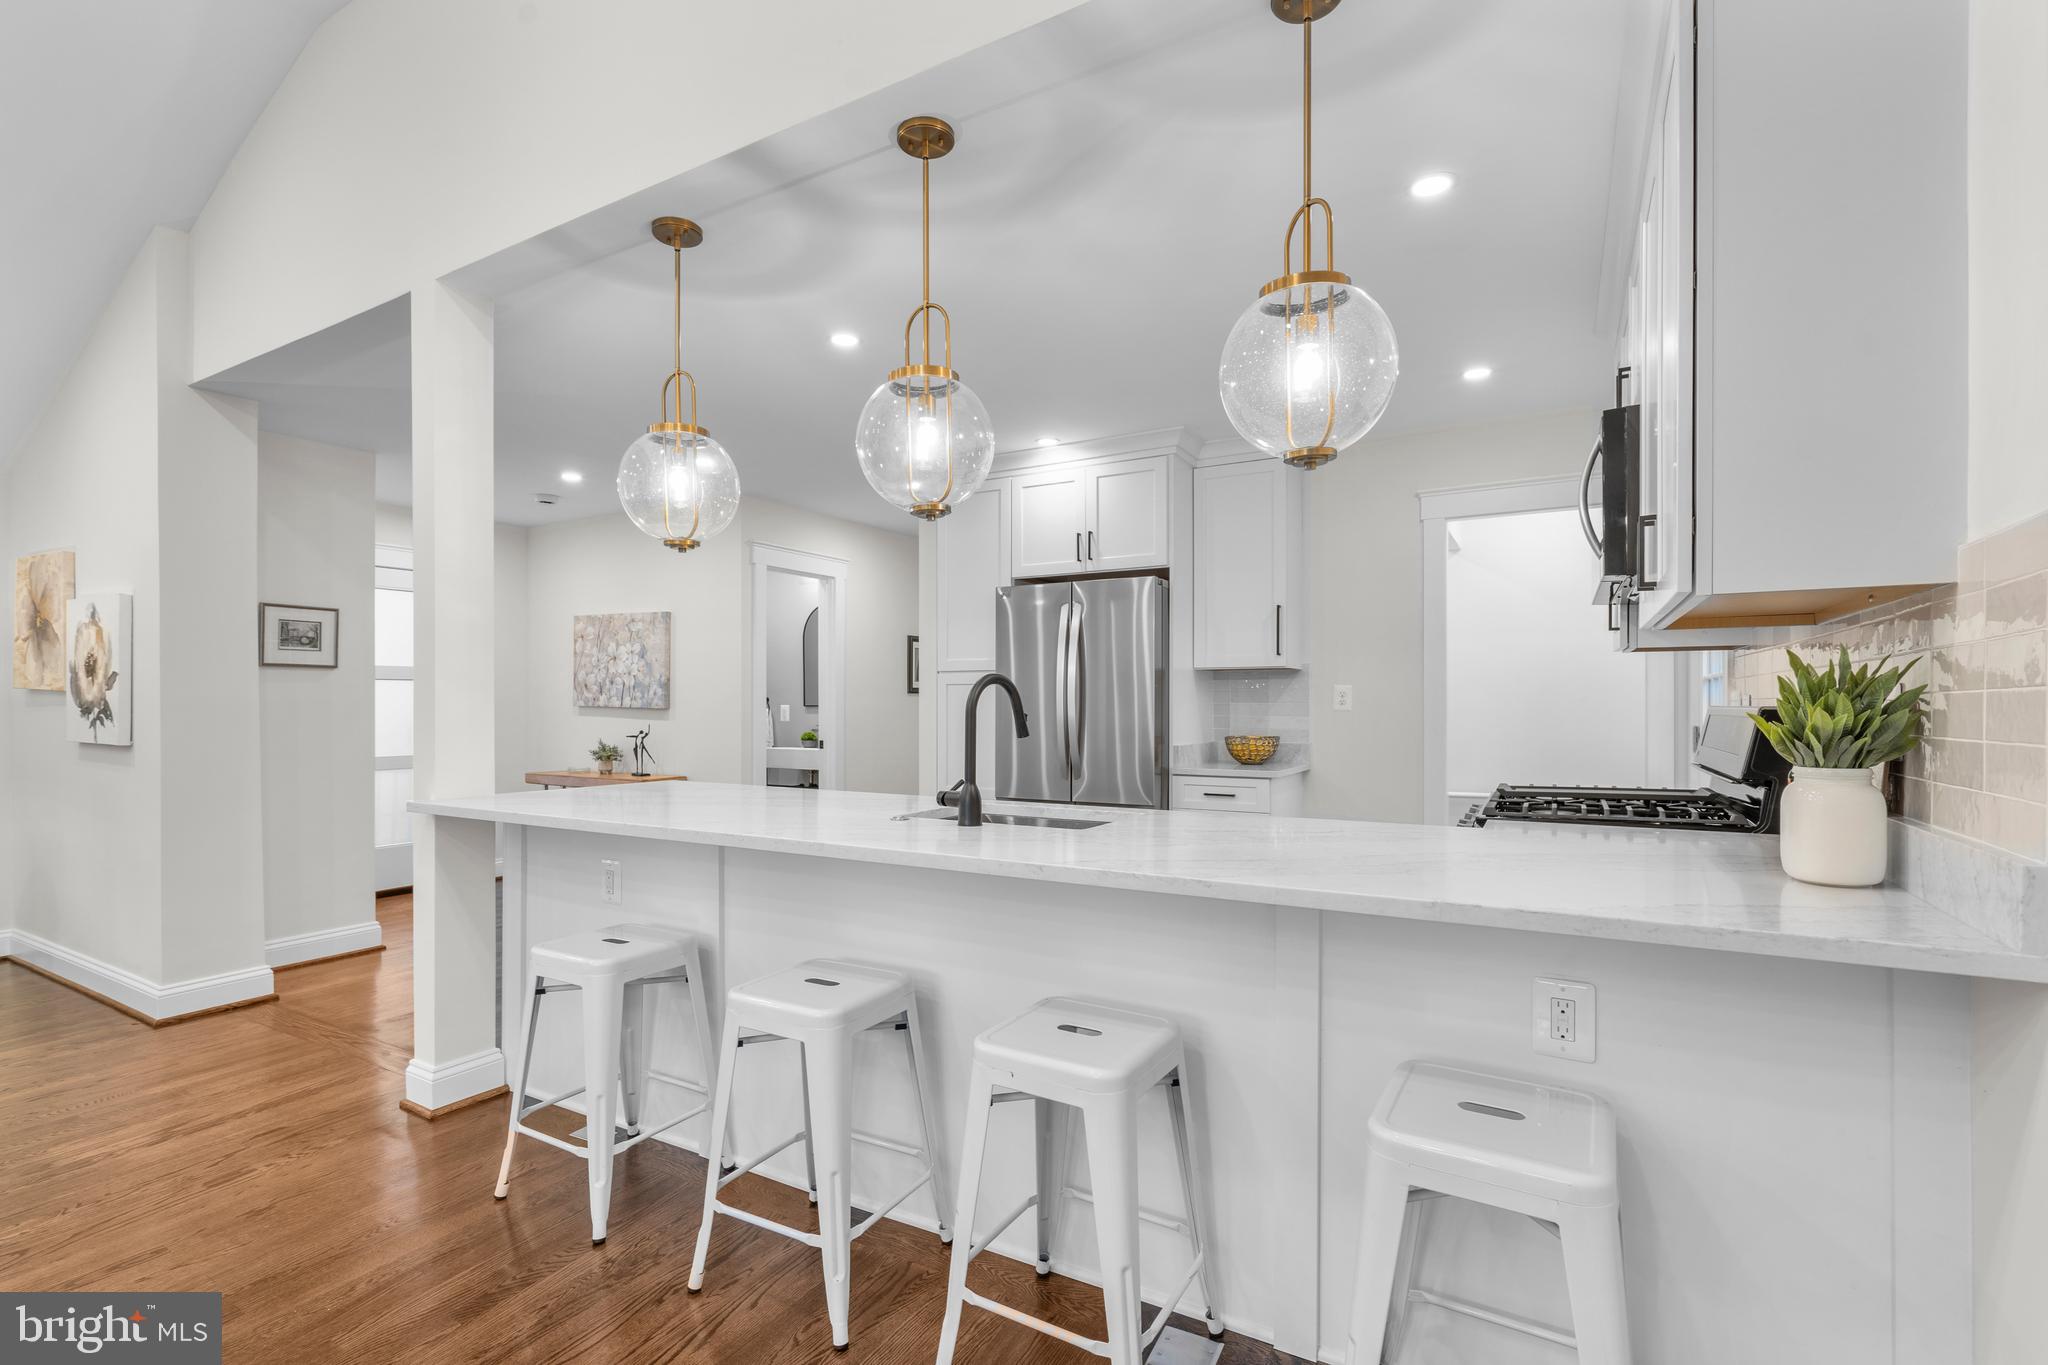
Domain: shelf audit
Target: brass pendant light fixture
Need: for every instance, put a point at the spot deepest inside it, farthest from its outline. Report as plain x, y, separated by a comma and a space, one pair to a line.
1309, 367
676, 483
924, 440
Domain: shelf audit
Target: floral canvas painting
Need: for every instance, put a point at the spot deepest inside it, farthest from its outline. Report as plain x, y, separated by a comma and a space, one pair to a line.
621, 660
100, 630
43, 584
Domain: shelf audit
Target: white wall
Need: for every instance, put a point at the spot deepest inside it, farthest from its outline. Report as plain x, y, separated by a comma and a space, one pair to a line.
145, 860
604, 564
84, 826
411, 140
313, 537
1365, 576
1534, 691
2008, 168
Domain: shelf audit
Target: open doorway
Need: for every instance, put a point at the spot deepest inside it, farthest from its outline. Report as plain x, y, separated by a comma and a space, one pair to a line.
1522, 683
799, 673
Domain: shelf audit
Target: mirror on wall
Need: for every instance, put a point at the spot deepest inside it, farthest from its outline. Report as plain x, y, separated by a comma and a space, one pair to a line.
810, 658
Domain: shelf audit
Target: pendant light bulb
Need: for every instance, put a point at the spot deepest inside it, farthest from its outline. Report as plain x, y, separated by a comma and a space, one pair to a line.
1311, 364
676, 483
924, 440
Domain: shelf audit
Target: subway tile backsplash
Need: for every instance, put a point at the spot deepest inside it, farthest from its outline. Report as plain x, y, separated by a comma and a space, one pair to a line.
1264, 702
1983, 770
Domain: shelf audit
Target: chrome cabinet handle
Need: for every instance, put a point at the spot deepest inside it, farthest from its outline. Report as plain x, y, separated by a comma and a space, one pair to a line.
1586, 500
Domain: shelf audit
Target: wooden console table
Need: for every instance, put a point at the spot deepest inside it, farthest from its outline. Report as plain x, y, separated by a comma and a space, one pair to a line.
591, 777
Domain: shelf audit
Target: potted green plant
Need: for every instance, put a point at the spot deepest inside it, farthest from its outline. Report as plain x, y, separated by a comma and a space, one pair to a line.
809, 739
606, 753
1838, 726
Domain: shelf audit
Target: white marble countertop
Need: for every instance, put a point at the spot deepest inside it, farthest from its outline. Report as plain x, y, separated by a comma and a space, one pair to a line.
1700, 890
1232, 768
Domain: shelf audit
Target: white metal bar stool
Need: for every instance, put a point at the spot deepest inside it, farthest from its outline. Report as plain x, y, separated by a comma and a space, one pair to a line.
1095, 1060
1535, 1149
617, 970
820, 1005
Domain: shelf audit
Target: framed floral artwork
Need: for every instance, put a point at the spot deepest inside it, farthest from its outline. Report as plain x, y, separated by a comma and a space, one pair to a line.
100, 630
620, 661
43, 587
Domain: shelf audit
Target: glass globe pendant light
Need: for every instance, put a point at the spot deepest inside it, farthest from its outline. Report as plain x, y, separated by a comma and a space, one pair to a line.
924, 439
1309, 367
676, 483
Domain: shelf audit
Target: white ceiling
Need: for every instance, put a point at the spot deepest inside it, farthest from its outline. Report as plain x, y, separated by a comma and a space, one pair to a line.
1096, 234
121, 115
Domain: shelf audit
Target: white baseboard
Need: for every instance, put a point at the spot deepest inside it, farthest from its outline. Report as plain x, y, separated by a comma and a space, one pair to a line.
436, 1087
125, 988
349, 938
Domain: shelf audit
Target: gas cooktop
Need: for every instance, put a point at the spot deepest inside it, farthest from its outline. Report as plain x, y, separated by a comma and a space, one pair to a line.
1699, 809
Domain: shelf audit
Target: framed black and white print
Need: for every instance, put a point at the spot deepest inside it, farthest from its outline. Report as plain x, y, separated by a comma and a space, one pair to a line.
298, 637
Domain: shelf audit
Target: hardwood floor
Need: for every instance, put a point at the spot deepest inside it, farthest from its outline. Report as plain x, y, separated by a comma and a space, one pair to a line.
262, 1153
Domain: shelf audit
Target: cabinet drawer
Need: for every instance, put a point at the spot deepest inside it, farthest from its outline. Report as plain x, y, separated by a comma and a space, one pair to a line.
1249, 794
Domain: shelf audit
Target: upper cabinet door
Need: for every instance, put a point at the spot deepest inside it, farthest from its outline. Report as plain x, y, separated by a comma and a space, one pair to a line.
1246, 527
1048, 526
1663, 326
973, 546
1127, 516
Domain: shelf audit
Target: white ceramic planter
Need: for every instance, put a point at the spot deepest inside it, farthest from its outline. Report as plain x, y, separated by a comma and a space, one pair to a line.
1831, 827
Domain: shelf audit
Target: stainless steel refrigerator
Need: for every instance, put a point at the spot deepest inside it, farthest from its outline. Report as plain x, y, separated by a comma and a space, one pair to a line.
1089, 657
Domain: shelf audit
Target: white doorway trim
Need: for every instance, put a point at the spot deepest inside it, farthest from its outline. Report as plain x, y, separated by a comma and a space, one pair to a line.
829, 761
1668, 708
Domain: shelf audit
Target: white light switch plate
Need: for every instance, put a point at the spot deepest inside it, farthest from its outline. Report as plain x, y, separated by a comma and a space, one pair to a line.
1563, 1016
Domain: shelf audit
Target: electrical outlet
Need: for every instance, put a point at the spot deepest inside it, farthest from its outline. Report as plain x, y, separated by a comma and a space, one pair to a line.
1563, 1016
610, 868
1340, 696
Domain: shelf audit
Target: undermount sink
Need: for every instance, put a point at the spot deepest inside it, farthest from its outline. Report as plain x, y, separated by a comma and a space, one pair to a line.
1036, 821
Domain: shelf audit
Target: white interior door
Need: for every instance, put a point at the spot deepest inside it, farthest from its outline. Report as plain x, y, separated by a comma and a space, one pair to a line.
392, 664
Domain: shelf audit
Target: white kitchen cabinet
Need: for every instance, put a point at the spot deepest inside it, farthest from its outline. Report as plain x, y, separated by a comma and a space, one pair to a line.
1249, 571
952, 711
972, 543
1127, 516
1796, 318
1107, 517
1243, 795
1049, 522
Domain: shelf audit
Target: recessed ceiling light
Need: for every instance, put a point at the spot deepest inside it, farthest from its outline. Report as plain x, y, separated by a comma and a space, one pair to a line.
845, 341
571, 476
1048, 440
1479, 374
1432, 185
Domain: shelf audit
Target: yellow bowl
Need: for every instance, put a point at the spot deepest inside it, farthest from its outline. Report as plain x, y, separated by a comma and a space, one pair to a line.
1251, 749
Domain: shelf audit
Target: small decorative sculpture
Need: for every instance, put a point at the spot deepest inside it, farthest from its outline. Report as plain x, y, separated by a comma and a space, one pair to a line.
643, 758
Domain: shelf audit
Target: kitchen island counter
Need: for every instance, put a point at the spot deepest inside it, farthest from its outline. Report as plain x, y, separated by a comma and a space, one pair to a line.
1756, 1037
1697, 890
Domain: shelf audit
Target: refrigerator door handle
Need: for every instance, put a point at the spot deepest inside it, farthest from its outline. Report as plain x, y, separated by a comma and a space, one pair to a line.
1061, 717
1076, 720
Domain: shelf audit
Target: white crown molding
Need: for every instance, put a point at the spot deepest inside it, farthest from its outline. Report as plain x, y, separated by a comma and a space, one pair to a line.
137, 993
1132, 445
436, 1087
349, 938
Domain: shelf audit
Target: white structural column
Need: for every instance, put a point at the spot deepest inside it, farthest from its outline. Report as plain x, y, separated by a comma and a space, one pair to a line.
455, 1052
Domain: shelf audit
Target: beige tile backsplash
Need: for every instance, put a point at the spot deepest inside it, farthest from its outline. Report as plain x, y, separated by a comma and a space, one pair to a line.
1983, 770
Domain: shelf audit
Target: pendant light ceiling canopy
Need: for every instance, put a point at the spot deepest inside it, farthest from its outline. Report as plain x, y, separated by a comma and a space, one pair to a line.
1309, 367
676, 483
924, 440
